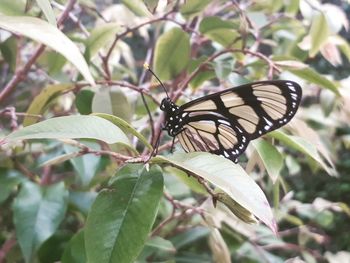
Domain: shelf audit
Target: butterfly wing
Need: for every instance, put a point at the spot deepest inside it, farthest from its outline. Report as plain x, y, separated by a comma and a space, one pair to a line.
223, 123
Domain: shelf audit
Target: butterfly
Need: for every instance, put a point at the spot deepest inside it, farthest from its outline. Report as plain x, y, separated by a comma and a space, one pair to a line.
225, 122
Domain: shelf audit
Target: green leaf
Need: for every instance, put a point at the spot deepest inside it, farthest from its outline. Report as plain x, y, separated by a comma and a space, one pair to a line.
38, 211
52, 249
190, 236
86, 166
112, 101
122, 216
193, 7
75, 250
172, 53
138, 7
82, 200
203, 75
12, 7
71, 127
8, 50
9, 179
125, 126
48, 35
157, 248
319, 33
100, 37
151, 5
228, 177
223, 66
238, 210
270, 156
219, 30
301, 145
41, 102
45, 6
191, 182
344, 46
53, 63
312, 76
60, 159
83, 101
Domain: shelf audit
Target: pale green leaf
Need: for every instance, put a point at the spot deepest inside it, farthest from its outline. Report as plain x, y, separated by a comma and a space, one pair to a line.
193, 7
319, 33
270, 156
46, 7
112, 101
303, 146
228, 177
48, 35
125, 126
312, 76
71, 127
138, 7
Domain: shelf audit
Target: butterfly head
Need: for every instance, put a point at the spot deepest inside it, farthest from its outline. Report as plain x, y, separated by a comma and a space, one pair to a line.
167, 104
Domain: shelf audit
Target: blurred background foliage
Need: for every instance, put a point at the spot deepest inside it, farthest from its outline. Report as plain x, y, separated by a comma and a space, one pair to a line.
196, 47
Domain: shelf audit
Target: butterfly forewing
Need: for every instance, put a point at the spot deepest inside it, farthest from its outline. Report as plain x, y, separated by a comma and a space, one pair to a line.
223, 123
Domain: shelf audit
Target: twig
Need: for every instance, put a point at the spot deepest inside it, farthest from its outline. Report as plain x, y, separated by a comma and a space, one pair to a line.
105, 59
6, 248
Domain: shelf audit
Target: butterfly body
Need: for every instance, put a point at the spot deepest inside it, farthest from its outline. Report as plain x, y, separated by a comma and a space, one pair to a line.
223, 123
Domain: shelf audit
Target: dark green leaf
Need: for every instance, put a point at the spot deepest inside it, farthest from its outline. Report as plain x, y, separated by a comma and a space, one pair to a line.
8, 50
122, 216
157, 248
86, 165
38, 211
190, 236
9, 179
75, 250
52, 249
83, 101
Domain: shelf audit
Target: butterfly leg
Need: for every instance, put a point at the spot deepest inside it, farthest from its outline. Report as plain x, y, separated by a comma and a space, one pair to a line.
172, 145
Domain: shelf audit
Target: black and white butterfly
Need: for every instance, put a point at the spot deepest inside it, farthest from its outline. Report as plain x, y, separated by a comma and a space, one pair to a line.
225, 122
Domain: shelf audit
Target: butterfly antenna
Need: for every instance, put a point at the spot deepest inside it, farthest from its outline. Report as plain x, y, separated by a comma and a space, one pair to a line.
146, 66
